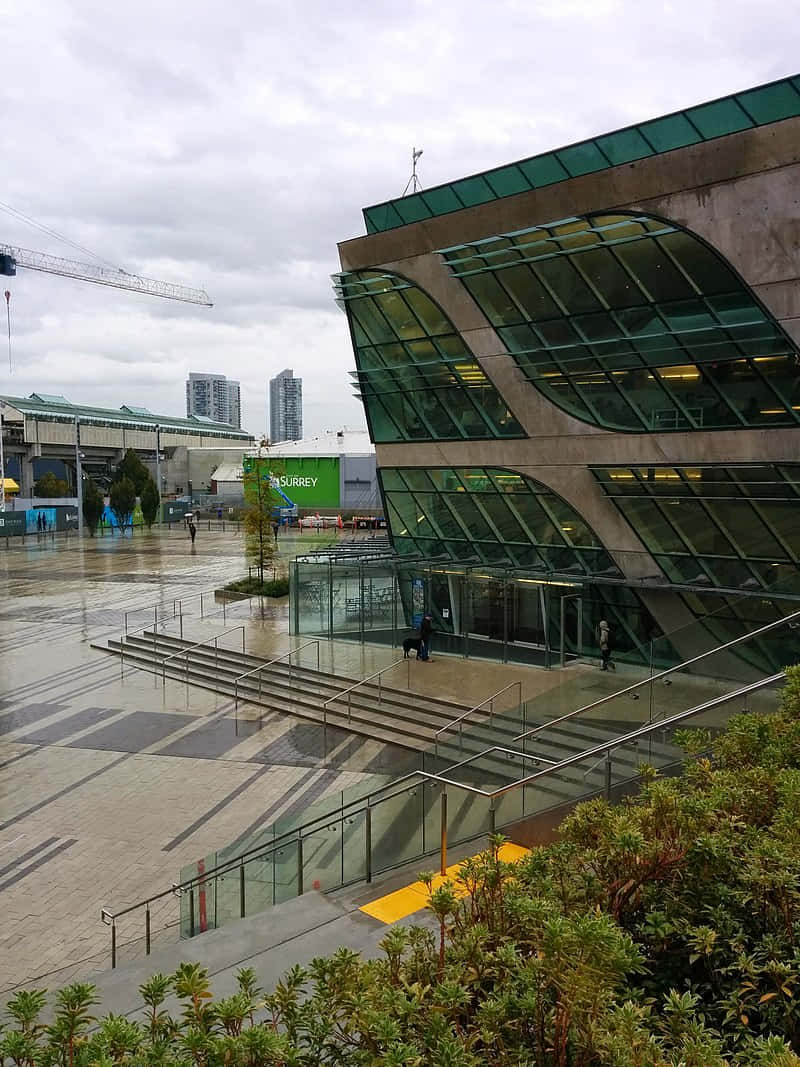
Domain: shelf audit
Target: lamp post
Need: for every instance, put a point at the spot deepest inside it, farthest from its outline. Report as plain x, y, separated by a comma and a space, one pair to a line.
158, 469
2, 464
79, 477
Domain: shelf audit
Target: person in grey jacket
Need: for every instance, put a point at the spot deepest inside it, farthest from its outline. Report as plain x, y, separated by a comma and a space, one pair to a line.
604, 643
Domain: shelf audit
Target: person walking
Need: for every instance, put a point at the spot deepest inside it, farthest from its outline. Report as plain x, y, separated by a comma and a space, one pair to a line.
192, 531
604, 643
425, 631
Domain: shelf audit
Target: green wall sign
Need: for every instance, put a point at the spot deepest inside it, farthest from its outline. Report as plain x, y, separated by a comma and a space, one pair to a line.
308, 481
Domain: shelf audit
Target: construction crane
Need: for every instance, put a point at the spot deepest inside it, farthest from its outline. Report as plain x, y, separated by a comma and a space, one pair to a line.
11, 258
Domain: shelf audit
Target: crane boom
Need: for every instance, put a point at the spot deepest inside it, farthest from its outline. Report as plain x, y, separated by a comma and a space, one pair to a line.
11, 258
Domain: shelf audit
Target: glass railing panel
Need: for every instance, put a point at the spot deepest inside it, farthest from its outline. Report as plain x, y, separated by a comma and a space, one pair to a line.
259, 884
397, 828
468, 815
286, 872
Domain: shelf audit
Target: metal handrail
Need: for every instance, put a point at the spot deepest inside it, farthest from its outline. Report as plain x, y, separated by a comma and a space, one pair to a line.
661, 674
348, 692
200, 644
369, 802
458, 722
178, 603
133, 633
263, 667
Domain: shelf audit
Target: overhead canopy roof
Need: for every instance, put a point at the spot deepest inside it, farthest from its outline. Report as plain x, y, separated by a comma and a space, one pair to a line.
729, 114
59, 409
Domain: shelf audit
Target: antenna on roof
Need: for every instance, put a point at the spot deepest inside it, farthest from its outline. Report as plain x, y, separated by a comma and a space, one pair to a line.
414, 181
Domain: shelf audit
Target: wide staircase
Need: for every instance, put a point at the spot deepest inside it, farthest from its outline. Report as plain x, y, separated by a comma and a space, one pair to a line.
482, 769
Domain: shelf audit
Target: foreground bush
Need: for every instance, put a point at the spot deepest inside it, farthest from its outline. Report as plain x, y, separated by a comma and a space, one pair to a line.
661, 932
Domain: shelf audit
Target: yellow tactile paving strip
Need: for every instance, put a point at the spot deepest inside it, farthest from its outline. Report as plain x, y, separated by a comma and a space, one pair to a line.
414, 897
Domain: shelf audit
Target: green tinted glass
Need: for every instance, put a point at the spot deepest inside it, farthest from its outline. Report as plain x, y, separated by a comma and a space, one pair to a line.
624, 146
495, 517
416, 376
719, 118
582, 159
507, 181
471, 191
772, 102
543, 170
732, 527
633, 324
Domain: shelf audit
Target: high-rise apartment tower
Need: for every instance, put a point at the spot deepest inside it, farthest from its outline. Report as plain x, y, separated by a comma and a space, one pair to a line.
215, 397
285, 407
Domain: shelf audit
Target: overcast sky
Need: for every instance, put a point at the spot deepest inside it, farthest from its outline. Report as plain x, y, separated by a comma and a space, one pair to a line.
230, 145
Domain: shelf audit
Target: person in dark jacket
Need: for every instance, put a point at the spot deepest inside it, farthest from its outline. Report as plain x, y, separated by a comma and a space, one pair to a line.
425, 631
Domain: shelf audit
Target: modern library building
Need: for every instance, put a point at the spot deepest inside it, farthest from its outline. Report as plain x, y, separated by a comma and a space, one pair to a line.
581, 372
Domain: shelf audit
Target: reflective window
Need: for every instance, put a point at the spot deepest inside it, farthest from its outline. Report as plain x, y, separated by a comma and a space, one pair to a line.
416, 376
490, 515
630, 323
735, 527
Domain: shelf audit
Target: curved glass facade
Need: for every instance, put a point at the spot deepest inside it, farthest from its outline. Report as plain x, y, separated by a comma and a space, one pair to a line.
631, 323
416, 376
732, 527
491, 516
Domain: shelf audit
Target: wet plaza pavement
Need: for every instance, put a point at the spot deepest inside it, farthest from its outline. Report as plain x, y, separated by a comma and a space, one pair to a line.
107, 782
110, 783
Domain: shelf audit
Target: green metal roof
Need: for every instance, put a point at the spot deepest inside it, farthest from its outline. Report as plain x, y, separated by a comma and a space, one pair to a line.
59, 409
729, 114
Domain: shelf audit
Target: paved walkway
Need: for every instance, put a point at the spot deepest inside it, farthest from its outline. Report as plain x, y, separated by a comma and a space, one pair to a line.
110, 783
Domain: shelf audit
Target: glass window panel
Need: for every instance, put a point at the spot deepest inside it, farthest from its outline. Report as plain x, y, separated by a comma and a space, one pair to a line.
652, 269
694, 524
441, 200
528, 292
493, 300
624, 146
673, 131
432, 317
772, 102
606, 275
565, 396
399, 315
507, 481
507, 181
567, 285
519, 338
391, 355
649, 523
784, 518
640, 320
371, 321
473, 191
384, 428
435, 507
504, 519
582, 158
412, 208
558, 332
543, 170
599, 327
745, 528
719, 118
686, 315
470, 516
685, 570
572, 527
391, 479
706, 269
383, 217
420, 352
416, 479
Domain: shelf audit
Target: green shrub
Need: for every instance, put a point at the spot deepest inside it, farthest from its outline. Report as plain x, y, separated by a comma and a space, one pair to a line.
274, 587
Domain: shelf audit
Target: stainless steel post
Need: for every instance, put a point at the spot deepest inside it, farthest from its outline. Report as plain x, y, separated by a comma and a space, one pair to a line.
78, 477
608, 775
113, 944
147, 930
443, 838
368, 842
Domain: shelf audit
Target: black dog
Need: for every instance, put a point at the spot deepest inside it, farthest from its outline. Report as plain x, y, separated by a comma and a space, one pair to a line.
408, 644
